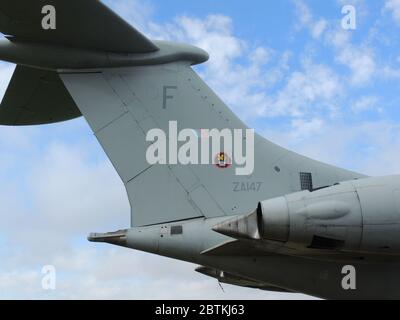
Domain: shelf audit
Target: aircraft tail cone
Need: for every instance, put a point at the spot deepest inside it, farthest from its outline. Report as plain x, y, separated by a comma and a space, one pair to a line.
241, 227
118, 238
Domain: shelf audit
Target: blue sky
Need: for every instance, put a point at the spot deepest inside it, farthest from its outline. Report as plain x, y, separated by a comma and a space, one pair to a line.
286, 67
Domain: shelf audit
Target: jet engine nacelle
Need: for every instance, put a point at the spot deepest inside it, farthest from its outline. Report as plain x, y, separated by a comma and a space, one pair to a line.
354, 216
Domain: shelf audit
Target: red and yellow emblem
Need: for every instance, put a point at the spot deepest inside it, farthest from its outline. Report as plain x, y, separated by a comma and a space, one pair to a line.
223, 161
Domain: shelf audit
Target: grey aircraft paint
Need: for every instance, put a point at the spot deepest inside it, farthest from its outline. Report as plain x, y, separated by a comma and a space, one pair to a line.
302, 227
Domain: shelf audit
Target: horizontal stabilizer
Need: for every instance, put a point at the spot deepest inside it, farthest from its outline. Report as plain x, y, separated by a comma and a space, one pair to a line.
36, 97
85, 24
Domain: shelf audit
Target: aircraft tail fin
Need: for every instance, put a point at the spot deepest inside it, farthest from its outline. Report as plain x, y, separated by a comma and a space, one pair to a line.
123, 105
126, 87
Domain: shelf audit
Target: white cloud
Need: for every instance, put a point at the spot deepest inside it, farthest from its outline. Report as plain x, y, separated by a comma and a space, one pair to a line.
112, 273
360, 58
366, 103
307, 20
261, 56
394, 7
214, 34
368, 147
303, 129
318, 28
361, 62
70, 171
390, 72
315, 85
138, 12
